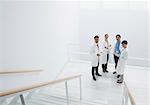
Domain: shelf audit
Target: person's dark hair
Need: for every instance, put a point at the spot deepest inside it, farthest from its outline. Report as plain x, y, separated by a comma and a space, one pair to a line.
124, 42
106, 34
118, 35
96, 36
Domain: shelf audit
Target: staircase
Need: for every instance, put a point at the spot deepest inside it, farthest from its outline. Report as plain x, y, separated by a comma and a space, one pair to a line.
68, 91
55, 95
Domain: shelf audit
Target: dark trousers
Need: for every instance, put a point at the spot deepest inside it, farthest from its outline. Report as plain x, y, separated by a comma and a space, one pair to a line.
95, 69
104, 66
116, 60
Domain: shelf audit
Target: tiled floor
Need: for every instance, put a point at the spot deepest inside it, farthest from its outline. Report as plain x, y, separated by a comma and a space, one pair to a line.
106, 88
104, 91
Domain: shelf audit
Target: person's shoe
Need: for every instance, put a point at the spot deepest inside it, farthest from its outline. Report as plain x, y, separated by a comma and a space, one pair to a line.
94, 78
114, 72
118, 76
98, 74
120, 82
106, 71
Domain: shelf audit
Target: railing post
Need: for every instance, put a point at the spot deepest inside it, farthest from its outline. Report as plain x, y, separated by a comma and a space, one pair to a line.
123, 97
80, 88
126, 97
67, 96
22, 100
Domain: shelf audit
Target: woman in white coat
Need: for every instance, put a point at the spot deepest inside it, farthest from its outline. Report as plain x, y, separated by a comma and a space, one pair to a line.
122, 61
106, 49
95, 56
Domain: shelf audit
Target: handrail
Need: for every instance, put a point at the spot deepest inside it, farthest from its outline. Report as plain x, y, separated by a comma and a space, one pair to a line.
19, 71
132, 100
22, 89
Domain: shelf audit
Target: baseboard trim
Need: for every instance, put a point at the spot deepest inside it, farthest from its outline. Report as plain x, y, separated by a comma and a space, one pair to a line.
134, 61
138, 61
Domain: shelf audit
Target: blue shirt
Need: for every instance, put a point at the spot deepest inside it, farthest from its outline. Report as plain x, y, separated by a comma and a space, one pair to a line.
117, 47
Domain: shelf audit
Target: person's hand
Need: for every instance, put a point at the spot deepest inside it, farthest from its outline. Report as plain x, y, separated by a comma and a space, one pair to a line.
98, 54
106, 47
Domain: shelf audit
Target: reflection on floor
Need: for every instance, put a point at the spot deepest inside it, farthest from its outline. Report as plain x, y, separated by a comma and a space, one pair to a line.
137, 79
104, 91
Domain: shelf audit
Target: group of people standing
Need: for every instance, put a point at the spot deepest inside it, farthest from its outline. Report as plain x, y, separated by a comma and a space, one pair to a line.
101, 54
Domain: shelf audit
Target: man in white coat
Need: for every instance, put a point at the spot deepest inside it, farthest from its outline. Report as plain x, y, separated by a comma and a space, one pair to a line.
122, 61
106, 47
95, 56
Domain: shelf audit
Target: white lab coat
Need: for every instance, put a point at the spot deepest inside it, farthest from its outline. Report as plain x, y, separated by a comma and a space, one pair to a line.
105, 52
122, 62
94, 50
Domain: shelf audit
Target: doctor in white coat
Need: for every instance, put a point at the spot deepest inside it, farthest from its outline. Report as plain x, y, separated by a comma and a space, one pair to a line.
106, 55
122, 61
95, 52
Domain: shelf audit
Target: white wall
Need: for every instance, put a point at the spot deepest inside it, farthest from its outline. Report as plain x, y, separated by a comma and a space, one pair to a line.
32, 30
1, 28
149, 28
130, 20
36, 34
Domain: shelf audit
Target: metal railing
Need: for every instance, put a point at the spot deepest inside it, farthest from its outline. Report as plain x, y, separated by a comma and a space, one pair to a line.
127, 96
22, 90
19, 71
